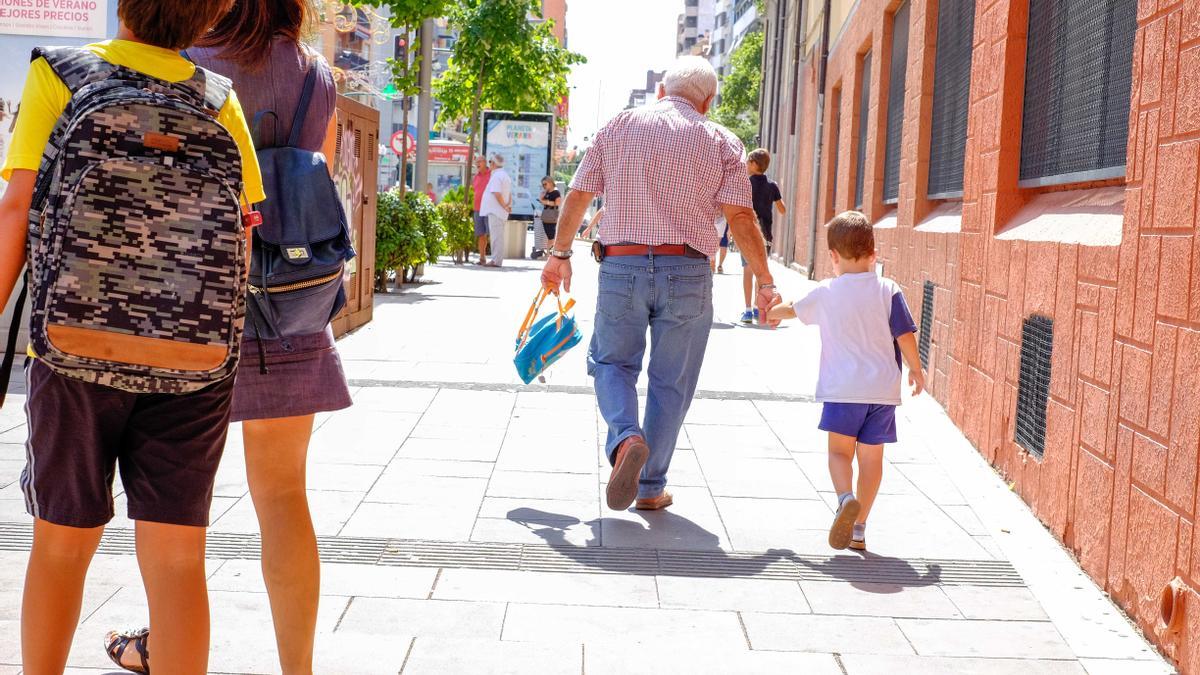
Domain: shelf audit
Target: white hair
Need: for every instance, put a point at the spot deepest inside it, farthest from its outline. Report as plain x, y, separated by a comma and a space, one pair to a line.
497, 159
693, 78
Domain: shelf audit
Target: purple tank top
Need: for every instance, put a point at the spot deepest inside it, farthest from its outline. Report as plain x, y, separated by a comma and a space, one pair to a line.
276, 86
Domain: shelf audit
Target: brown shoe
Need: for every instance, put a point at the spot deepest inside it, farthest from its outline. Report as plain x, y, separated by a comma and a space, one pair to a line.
623, 483
655, 503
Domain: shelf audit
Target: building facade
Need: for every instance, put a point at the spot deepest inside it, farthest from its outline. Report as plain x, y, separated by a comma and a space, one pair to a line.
640, 97
1031, 167
695, 26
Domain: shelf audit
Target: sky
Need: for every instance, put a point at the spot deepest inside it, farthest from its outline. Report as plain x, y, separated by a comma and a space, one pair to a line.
621, 39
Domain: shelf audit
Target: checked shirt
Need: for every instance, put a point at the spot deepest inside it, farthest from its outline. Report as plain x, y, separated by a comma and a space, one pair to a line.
664, 170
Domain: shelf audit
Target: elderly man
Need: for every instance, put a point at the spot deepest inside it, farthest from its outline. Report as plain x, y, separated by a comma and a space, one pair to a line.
496, 205
665, 171
483, 172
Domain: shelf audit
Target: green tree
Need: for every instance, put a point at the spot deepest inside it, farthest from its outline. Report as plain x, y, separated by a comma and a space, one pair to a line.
501, 61
407, 15
738, 110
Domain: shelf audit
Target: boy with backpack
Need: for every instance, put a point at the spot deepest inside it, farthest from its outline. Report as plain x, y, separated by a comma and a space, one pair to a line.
130, 174
865, 330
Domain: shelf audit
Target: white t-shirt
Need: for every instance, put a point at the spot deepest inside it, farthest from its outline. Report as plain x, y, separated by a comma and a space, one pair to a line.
860, 317
499, 182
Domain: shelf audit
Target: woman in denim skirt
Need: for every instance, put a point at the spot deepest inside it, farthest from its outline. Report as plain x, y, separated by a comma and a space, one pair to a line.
258, 45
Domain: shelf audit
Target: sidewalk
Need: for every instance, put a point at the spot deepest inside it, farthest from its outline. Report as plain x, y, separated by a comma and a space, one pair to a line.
463, 529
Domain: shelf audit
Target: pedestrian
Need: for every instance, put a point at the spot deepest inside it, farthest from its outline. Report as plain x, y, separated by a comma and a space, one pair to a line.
594, 224
430, 193
483, 173
497, 205
865, 330
258, 45
665, 170
85, 424
551, 200
722, 227
767, 200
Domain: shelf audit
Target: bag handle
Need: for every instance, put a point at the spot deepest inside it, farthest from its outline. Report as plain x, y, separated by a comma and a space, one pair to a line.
536, 307
310, 83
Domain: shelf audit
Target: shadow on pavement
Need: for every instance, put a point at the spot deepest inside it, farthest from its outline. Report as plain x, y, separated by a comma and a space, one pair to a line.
687, 549
872, 572
702, 556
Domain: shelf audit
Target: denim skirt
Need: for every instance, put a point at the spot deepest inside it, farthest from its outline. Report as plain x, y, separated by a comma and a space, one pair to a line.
304, 376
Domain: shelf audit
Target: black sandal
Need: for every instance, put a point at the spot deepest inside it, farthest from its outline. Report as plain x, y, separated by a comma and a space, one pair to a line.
116, 643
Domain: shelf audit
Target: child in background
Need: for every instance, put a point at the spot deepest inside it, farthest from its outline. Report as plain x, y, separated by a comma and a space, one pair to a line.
767, 200
166, 446
866, 328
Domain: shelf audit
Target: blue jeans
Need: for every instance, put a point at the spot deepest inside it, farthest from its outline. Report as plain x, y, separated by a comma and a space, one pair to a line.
672, 296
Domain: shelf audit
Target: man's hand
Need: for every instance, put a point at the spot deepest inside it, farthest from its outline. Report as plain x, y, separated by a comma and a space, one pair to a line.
916, 379
557, 272
767, 298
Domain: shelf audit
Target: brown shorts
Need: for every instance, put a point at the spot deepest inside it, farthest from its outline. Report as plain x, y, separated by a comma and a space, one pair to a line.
167, 448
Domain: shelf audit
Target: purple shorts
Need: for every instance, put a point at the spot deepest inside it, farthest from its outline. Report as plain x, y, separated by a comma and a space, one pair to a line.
870, 423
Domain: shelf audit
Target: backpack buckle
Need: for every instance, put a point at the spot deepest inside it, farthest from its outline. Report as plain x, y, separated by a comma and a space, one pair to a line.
252, 219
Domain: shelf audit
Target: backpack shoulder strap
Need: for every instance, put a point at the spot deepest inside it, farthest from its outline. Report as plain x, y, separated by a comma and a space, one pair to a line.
75, 66
310, 83
11, 344
211, 88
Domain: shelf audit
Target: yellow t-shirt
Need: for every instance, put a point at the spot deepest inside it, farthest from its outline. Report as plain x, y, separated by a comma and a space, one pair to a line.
45, 97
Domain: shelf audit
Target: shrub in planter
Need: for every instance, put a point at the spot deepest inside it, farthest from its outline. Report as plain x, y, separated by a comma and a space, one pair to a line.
459, 229
399, 240
430, 223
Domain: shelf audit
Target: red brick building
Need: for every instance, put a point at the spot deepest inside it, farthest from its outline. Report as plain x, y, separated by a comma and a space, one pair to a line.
1032, 168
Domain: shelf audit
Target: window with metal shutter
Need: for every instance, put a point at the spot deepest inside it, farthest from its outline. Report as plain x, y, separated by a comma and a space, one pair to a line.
926, 334
895, 110
951, 98
864, 106
1078, 71
1033, 384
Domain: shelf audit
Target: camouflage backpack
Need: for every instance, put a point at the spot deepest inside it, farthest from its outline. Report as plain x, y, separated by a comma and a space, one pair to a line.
136, 239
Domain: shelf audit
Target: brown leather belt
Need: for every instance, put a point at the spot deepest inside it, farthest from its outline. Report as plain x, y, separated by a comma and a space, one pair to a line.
642, 249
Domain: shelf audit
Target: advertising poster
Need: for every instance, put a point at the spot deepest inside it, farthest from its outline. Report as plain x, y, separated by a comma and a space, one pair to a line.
54, 18
525, 143
25, 24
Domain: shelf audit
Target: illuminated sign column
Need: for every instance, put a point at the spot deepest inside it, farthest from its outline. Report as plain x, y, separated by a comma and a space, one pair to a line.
525, 142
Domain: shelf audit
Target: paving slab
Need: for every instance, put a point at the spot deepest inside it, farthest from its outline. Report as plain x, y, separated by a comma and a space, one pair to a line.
698, 659
617, 626
759, 595
996, 639
439, 656
337, 579
825, 633
872, 599
863, 664
386, 617
547, 588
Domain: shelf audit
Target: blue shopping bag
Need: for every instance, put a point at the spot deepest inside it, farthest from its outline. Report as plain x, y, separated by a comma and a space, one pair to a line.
541, 342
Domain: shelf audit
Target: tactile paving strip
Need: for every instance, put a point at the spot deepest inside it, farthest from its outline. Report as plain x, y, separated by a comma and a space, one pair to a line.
774, 564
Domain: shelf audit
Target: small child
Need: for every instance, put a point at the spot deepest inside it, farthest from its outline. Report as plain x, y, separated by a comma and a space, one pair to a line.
865, 329
767, 199
165, 446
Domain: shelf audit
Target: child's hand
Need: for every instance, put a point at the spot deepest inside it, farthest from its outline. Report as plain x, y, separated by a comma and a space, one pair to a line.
780, 312
916, 379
